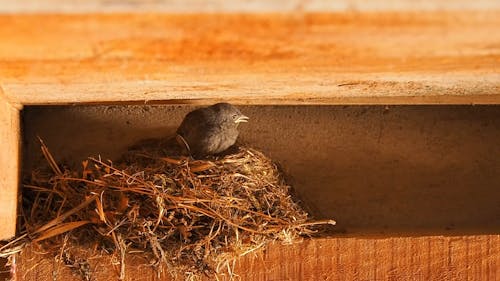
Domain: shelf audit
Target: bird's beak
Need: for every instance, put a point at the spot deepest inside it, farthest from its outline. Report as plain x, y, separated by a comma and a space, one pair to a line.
241, 119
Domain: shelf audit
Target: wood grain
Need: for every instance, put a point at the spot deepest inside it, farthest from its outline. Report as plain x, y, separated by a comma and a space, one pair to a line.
259, 6
351, 58
337, 258
9, 167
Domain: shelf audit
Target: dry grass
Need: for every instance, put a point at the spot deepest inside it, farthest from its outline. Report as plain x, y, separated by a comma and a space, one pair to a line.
191, 217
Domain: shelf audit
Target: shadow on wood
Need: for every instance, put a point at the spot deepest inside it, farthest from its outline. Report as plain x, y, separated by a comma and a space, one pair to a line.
401, 170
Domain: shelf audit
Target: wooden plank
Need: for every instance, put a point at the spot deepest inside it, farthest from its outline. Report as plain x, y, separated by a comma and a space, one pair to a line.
351, 58
9, 167
335, 258
240, 5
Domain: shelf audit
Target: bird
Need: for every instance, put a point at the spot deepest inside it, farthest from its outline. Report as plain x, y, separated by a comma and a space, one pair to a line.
210, 130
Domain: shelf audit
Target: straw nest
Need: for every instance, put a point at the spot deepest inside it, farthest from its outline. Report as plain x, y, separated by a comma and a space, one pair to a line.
192, 218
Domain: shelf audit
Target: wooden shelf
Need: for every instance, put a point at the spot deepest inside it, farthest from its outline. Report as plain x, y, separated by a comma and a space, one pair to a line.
402, 258
353, 58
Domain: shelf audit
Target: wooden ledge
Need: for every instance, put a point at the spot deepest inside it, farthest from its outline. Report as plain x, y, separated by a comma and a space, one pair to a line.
399, 258
354, 58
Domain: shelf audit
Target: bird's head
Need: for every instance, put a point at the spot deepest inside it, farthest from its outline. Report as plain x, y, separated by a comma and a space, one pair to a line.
229, 113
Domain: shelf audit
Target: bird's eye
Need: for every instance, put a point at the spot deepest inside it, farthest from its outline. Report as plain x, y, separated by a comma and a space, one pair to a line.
235, 116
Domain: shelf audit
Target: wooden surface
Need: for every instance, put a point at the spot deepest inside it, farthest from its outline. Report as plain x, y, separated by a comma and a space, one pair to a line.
435, 57
9, 166
190, 6
372, 58
397, 258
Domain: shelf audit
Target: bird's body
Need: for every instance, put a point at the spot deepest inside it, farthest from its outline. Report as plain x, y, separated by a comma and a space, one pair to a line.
210, 130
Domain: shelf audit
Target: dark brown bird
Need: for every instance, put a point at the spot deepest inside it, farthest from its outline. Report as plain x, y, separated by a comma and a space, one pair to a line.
210, 130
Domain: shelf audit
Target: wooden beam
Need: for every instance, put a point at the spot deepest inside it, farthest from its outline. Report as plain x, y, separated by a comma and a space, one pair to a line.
9, 166
208, 6
353, 58
474, 257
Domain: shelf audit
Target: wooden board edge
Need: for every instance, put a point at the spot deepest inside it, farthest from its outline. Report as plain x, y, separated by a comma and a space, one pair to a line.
10, 135
463, 257
399, 100
367, 92
256, 6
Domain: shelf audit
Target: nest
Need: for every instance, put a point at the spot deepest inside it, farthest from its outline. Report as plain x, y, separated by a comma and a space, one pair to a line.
191, 217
